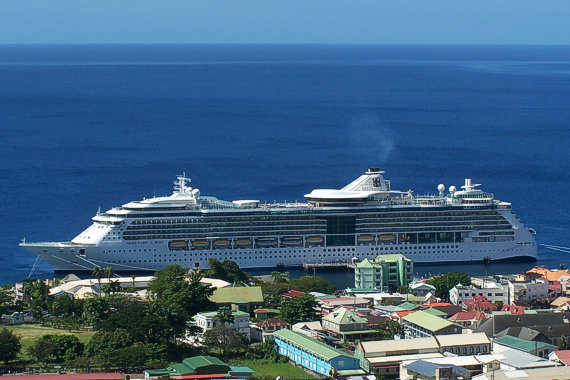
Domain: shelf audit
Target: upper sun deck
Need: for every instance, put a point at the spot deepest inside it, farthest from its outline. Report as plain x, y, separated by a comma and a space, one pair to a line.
369, 190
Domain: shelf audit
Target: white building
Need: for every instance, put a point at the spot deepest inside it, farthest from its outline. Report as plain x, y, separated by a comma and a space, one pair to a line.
493, 291
207, 321
506, 293
527, 291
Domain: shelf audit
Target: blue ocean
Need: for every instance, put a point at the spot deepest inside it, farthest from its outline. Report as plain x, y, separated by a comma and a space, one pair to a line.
89, 127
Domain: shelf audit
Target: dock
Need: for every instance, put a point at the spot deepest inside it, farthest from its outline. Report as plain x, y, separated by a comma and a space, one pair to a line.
333, 265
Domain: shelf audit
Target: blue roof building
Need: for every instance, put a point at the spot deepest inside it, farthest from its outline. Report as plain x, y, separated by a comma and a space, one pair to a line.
314, 355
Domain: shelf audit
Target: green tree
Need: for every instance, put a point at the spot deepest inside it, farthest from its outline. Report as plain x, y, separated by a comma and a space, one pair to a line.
112, 287
447, 281
227, 270
149, 327
279, 277
387, 329
312, 284
499, 304
98, 273
10, 345
299, 309
95, 310
108, 341
225, 315
176, 296
225, 339
265, 350
6, 298
109, 272
56, 349
36, 295
272, 291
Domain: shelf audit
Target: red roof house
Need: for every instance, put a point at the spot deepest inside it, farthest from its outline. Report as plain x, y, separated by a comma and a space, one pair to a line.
293, 293
467, 318
480, 303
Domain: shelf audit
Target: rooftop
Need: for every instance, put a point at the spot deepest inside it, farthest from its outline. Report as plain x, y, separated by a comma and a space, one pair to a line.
519, 344
427, 321
386, 347
315, 347
342, 316
239, 294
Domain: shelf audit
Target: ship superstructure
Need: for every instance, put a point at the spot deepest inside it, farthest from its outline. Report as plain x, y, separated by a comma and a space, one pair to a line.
366, 218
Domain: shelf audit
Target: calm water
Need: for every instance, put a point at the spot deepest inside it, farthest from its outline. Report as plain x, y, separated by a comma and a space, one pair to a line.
84, 127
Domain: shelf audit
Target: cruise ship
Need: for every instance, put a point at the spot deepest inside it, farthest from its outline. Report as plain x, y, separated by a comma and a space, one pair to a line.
365, 218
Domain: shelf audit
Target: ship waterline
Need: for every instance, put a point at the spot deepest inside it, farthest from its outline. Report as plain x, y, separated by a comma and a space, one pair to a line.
363, 219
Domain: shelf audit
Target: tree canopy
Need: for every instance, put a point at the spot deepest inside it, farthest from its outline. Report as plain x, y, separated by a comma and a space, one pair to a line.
56, 349
226, 339
299, 309
176, 296
447, 281
227, 270
10, 345
387, 329
312, 284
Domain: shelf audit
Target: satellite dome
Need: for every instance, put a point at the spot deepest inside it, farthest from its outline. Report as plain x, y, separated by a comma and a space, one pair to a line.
196, 193
441, 187
452, 189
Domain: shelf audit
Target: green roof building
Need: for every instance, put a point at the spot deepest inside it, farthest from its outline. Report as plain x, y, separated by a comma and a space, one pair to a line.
244, 298
346, 324
201, 367
422, 324
384, 273
537, 348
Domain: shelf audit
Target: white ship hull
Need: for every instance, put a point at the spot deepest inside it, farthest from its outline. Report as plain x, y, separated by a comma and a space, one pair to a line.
363, 220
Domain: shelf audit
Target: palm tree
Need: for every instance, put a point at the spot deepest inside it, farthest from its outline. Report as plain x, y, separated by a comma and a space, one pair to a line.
279, 277
98, 272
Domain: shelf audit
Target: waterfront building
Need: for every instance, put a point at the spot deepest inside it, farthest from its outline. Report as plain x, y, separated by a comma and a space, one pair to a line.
207, 321
384, 273
422, 325
314, 355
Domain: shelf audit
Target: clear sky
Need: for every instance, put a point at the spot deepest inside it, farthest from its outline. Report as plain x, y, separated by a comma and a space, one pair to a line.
286, 21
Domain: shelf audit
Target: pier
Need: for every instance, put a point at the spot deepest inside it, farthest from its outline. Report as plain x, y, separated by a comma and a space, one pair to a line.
333, 265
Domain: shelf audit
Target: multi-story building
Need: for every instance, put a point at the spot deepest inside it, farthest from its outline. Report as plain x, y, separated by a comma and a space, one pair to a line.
493, 291
384, 273
346, 325
207, 321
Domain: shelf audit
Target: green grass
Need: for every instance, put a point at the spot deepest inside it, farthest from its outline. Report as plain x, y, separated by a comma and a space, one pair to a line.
31, 333
267, 369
